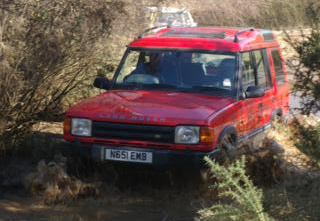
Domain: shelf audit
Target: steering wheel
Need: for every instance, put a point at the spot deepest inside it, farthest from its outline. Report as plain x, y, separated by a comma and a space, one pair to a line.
142, 78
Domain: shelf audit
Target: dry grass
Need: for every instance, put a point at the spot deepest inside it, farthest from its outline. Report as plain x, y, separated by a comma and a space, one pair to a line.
283, 134
51, 181
263, 14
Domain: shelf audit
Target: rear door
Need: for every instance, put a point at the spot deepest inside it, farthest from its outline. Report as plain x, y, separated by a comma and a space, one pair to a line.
281, 81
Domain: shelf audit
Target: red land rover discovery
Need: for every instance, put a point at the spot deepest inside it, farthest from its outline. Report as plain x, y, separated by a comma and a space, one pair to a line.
181, 94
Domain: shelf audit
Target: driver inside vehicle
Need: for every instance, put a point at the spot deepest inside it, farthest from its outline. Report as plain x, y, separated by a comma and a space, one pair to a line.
148, 71
153, 66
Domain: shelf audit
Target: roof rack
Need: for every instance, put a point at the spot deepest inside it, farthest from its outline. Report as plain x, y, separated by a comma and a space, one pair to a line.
153, 28
190, 33
236, 38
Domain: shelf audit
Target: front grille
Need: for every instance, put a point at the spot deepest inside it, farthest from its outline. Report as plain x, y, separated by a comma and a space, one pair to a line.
107, 130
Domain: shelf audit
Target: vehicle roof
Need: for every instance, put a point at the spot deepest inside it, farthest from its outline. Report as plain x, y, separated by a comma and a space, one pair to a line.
207, 38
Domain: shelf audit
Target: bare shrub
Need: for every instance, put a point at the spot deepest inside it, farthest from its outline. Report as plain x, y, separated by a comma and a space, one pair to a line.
47, 50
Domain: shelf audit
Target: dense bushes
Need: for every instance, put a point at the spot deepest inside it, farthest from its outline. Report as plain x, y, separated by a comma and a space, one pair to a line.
47, 49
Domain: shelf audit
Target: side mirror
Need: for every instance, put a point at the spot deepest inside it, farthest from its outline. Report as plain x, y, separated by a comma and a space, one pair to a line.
254, 91
101, 83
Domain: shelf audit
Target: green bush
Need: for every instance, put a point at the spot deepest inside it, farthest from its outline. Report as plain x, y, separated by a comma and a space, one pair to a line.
245, 200
307, 70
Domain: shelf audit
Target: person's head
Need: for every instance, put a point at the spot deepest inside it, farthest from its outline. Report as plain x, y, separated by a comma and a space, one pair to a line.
154, 61
154, 58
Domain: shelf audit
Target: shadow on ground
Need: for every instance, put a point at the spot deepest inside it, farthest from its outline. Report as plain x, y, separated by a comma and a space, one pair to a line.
125, 192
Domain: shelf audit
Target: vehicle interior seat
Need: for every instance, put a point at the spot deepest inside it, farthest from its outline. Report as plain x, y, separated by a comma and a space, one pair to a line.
226, 72
192, 73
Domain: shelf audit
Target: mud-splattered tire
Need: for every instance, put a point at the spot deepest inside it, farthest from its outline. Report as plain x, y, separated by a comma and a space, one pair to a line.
228, 148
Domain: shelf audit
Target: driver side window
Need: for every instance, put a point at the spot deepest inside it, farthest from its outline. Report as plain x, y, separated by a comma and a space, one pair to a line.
129, 66
247, 67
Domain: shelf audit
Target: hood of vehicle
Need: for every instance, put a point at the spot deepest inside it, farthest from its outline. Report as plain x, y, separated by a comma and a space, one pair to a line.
150, 107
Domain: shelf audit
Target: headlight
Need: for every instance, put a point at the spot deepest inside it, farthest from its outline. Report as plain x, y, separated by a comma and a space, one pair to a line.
187, 135
81, 127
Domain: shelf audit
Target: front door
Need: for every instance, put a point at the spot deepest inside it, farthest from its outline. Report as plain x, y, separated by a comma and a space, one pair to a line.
255, 111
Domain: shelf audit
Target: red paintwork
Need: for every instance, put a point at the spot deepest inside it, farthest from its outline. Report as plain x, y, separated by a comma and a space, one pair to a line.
248, 40
176, 108
185, 108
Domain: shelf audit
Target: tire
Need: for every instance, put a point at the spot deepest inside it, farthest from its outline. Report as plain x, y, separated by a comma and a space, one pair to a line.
228, 148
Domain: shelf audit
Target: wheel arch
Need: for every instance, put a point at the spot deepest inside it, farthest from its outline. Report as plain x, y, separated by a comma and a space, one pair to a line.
277, 112
228, 129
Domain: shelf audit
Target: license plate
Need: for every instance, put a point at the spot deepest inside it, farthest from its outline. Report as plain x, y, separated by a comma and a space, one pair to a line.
129, 156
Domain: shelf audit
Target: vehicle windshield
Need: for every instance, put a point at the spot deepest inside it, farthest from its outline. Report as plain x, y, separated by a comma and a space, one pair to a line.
175, 19
178, 70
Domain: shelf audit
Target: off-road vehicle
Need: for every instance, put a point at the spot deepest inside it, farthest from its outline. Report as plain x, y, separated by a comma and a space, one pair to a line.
181, 94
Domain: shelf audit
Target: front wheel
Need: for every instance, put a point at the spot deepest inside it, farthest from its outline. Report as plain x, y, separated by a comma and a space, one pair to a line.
228, 149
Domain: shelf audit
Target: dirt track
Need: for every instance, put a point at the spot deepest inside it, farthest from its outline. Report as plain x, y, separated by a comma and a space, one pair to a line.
19, 208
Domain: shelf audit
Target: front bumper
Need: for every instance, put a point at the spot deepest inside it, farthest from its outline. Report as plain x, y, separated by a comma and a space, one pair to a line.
162, 158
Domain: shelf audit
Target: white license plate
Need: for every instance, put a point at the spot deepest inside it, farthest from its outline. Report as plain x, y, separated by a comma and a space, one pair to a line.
129, 156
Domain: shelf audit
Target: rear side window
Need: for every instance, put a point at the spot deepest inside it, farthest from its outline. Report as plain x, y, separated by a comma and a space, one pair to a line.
278, 66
